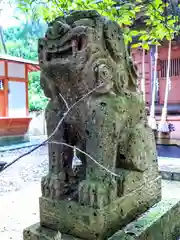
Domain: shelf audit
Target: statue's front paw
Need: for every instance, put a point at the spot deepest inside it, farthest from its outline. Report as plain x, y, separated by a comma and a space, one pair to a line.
96, 194
53, 186
45, 186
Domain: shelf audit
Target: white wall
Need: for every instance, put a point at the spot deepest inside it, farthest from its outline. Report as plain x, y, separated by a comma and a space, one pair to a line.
2, 72
17, 99
16, 70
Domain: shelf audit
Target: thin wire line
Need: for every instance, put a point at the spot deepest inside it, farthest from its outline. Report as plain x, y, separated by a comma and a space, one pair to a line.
89, 156
54, 132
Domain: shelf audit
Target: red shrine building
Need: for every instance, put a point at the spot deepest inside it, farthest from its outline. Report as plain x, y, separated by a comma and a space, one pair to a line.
14, 112
174, 92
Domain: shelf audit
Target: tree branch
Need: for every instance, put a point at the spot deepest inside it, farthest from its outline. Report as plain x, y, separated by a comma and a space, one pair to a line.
89, 156
55, 130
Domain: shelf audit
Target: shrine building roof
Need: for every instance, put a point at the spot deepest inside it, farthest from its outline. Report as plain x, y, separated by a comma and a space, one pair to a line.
32, 65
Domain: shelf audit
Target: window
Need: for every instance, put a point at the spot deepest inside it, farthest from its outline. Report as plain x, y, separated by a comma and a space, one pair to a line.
174, 67
1, 85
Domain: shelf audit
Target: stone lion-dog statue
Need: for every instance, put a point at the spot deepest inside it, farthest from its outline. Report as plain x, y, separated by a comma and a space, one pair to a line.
80, 52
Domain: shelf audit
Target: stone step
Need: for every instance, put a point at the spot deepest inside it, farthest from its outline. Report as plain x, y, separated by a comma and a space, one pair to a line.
169, 168
160, 222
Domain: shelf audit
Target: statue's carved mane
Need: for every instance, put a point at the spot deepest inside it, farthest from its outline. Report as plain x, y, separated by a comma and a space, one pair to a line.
113, 44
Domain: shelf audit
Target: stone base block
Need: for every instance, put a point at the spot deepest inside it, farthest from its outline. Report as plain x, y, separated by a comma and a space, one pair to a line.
92, 224
36, 232
161, 222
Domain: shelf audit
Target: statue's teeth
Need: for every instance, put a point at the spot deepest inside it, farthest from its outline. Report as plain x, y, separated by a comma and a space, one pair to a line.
74, 47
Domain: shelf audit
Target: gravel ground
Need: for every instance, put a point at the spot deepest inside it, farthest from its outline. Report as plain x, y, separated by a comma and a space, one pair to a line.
28, 169
20, 190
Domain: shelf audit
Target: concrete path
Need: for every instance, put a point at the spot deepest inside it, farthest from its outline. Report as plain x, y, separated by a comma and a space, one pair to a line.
169, 168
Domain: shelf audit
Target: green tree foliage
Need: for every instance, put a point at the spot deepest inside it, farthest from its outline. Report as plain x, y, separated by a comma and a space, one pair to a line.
150, 21
159, 17
21, 41
37, 100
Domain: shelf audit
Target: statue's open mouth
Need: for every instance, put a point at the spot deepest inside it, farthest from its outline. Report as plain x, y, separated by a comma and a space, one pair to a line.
69, 48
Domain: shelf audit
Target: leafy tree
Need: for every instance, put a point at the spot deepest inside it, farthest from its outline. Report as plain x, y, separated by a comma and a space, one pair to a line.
37, 100
21, 41
149, 21
158, 18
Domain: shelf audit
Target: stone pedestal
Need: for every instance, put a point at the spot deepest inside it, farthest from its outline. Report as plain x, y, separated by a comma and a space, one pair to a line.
98, 223
159, 222
91, 223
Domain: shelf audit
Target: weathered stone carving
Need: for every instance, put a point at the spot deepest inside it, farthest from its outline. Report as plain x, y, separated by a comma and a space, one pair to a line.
78, 53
